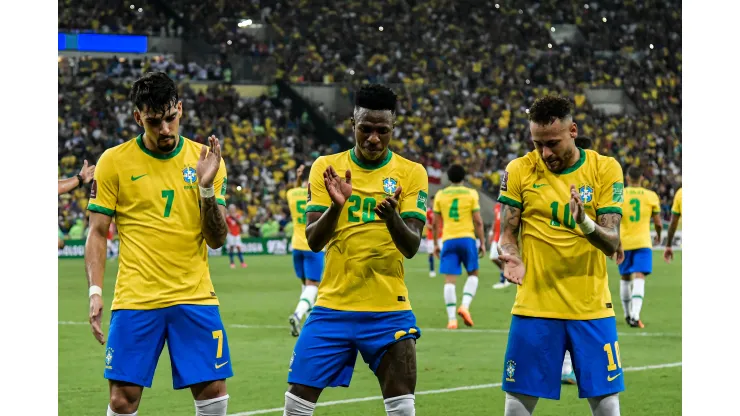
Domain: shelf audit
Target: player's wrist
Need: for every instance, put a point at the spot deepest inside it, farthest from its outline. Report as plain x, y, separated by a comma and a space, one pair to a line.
587, 225
207, 191
95, 290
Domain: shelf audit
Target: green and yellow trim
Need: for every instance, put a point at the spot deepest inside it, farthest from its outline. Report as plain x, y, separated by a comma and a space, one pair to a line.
609, 210
101, 210
220, 201
316, 208
510, 202
675, 213
160, 156
578, 164
416, 215
357, 161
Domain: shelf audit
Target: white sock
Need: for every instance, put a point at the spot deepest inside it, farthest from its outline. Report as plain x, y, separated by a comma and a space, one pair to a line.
112, 413
519, 404
308, 297
638, 292
604, 405
400, 405
567, 364
303, 287
212, 407
471, 285
295, 406
450, 301
625, 292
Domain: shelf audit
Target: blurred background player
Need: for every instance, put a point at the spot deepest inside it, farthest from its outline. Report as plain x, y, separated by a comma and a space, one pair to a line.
552, 195
457, 213
640, 205
493, 237
234, 238
84, 177
430, 237
111, 244
676, 211
369, 220
308, 266
162, 189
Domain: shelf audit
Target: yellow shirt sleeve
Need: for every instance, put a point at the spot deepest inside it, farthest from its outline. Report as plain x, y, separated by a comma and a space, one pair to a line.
655, 200
611, 194
414, 198
104, 189
317, 200
511, 185
437, 208
676, 208
220, 182
476, 201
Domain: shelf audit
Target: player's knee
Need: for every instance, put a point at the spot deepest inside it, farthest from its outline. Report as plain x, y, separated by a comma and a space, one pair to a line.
626, 277
400, 405
209, 390
212, 407
450, 279
638, 275
297, 406
605, 405
310, 394
518, 404
123, 401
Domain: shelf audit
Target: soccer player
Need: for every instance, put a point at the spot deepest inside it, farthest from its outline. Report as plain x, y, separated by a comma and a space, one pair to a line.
552, 195
430, 237
110, 244
368, 221
457, 209
676, 211
493, 237
234, 238
167, 194
308, 266
84, 177
640, 205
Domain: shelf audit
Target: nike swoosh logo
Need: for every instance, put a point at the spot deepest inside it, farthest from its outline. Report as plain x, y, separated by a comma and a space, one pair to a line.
223, 364
610, 378
539, 185
134, 178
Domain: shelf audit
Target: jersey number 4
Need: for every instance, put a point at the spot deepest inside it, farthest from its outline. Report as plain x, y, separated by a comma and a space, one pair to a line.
170, 195
454, 213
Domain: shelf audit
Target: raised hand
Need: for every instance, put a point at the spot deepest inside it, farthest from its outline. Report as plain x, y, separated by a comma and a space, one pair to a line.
339, 190
514, 269
208, 163
387, 207
299, 173
87, 172
576, 205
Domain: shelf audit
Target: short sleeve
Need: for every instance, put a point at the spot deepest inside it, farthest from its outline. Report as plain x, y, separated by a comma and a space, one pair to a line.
476, 201
437, 208
611, 192
318, 199
511, 185
104, 188
414, 197
656, 203
220, 182
676, 208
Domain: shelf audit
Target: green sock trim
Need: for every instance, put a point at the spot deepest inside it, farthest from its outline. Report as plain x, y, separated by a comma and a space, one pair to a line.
636, 296
307, 301
469, 294
451, 304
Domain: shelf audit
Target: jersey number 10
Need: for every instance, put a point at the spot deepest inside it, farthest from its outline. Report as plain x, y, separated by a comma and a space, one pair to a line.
568, 219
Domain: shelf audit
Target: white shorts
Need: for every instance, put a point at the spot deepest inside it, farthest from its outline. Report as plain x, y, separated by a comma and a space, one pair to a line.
494, 251
233, 241
430, 245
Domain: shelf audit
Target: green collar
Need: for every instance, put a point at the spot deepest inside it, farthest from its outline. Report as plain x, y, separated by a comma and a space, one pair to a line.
578, 164
370, 167
180, 143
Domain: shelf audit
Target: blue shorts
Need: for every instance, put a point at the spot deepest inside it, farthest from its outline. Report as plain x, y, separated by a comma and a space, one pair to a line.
326, 351
308, 265
637, 261
195, 337
536, 348
457, 251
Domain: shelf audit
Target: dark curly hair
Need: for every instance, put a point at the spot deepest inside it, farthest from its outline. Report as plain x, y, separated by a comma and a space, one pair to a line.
376, 97
634, 173
547, 109
456, 173
154, 91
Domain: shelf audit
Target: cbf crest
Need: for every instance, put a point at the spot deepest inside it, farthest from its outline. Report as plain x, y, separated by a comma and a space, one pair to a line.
189, 175
587, 193
390, 185
108, 357
510, 369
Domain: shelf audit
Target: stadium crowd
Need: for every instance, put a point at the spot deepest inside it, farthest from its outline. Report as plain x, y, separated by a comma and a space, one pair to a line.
465, 74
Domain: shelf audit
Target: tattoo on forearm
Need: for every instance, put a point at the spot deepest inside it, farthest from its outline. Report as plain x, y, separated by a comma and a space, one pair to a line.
606, 236
212, 223
510, 222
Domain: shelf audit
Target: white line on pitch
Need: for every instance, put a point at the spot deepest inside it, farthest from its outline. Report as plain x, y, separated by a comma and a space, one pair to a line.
442, 330
440, 391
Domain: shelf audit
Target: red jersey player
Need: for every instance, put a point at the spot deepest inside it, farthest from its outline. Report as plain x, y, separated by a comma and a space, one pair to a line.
493, 240
430, 238
234, 238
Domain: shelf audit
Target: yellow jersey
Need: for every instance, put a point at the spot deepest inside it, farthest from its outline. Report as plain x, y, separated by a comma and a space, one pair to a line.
297, 203
566, 275
457, 204
163, 256
640, 205
364, 269
677, 209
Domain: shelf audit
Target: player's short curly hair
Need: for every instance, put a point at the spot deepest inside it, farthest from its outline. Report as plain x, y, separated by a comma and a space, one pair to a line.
376, 97
456, 173
547, 109
634, 173
155, 91
583, 142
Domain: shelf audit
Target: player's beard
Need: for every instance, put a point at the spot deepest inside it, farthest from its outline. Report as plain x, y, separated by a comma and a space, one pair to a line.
166, 144
558, 164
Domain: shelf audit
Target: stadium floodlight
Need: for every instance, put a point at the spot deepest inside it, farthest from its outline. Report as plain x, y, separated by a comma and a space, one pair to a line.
552, 29
549, 45
132, 7
380, 28
651, 46
603, 19
245, 23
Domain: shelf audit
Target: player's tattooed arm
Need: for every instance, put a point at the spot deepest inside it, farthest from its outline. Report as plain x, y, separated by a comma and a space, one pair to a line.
606, 235
511, 218
213, 222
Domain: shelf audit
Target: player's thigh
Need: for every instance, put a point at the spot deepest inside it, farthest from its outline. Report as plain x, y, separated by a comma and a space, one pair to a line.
198, 345
534, 357
313, 265
377, 332
595, 352
135, 341
232, 241
325, 354
397, 369
298, 264
449, 258
470, 255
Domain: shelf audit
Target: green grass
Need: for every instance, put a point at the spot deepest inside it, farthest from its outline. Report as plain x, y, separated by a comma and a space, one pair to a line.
266, 293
